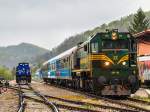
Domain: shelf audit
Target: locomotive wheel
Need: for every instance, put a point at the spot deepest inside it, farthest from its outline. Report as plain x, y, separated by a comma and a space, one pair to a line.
74, 84
88, 85
91, 86
78, 83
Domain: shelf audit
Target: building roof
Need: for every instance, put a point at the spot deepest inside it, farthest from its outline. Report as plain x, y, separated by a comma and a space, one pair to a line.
143, 37
142, 34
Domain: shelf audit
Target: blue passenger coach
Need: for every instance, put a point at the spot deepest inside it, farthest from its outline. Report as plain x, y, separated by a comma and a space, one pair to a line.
58, 67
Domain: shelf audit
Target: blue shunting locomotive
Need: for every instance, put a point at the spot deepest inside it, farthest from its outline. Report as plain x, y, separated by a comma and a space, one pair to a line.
23, 73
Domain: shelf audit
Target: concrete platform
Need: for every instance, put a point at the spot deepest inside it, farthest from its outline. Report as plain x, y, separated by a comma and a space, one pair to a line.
145, 93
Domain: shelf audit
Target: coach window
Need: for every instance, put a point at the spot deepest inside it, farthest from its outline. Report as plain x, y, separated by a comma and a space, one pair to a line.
94, 47
50, 66
62, 64
65, 62
53, 66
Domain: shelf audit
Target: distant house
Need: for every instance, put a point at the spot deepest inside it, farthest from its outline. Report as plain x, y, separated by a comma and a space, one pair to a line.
143, 46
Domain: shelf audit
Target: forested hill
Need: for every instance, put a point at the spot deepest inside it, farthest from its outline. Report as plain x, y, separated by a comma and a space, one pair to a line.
122, 25
24, 52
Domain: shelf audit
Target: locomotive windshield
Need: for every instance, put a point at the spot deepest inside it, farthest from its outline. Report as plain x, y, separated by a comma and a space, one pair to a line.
115, 44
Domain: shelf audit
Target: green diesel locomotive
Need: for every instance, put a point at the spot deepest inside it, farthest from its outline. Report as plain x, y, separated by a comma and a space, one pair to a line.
105, 64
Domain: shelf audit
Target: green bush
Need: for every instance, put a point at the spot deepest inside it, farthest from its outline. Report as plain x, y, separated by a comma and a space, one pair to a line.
6, 73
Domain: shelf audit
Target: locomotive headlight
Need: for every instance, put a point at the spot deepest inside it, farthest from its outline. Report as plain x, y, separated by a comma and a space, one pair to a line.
114, 36
124, 63
107, 63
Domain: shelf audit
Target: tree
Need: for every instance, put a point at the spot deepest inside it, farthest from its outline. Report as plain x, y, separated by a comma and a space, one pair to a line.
140, 22
6, 73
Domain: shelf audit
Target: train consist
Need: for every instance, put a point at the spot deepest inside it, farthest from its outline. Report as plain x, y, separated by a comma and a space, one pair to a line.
23, 73
105, 64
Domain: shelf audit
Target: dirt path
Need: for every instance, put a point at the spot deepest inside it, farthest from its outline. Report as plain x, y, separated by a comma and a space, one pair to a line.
8, 101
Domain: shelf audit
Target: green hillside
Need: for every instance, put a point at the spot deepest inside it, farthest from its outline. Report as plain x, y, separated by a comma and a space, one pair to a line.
11, 55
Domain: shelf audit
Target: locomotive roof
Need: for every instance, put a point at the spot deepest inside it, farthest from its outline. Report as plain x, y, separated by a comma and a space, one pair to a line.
23, 63
89, 39
69, 51
95, 34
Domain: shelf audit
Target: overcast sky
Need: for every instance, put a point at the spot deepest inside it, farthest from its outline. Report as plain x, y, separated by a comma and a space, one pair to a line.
48, 22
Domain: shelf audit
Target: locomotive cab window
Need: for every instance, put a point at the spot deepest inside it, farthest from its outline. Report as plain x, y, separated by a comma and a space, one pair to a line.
117, 44
94, 47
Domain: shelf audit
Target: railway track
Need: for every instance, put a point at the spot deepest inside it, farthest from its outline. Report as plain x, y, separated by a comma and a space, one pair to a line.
80, 106
45, 100
75, 105
138, 100
21, 101
68, 107
30, 92
44, 97
91, 104
135, 105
